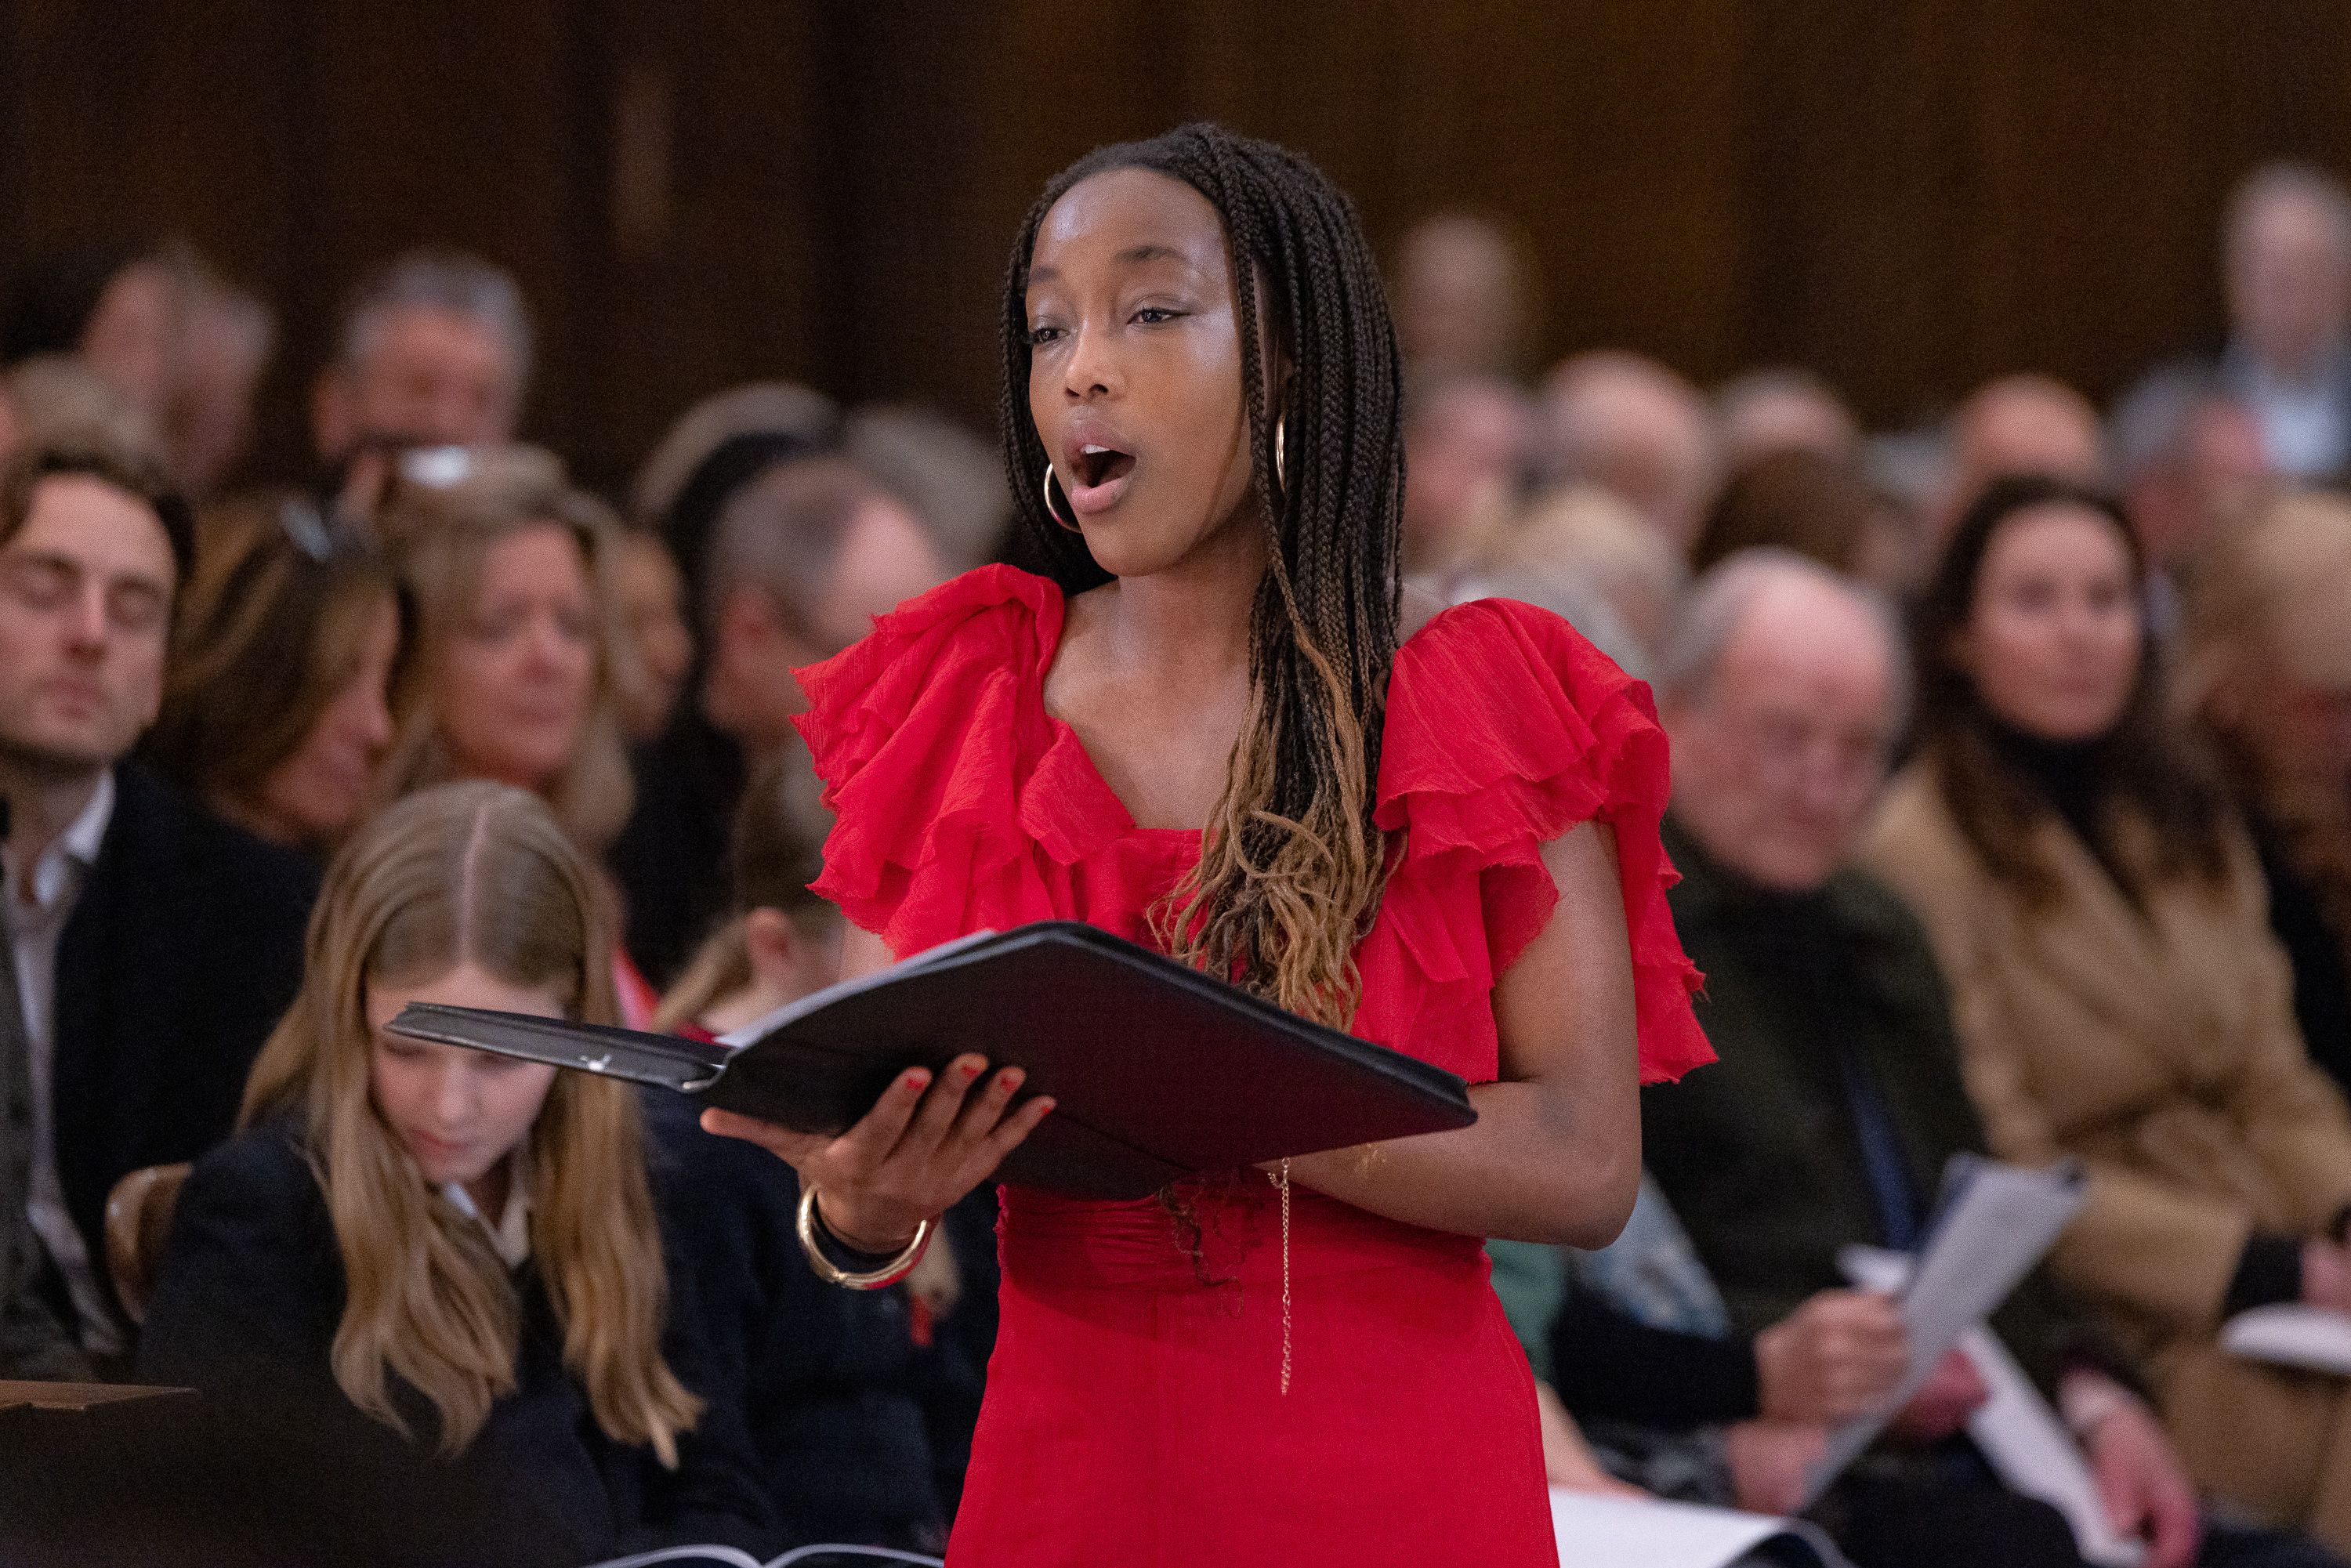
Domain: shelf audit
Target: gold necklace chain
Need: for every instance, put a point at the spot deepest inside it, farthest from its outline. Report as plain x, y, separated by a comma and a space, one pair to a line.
1283, 1182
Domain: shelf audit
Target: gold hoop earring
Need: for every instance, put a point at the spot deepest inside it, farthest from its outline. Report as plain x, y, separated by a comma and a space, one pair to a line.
1280, 468
1051, 510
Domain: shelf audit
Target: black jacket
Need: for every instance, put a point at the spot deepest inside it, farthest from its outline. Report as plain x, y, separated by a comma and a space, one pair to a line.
830, 1377
246, 1305
1758, 1152
183, 951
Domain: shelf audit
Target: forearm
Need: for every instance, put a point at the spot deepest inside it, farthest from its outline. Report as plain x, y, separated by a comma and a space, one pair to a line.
1530, 1169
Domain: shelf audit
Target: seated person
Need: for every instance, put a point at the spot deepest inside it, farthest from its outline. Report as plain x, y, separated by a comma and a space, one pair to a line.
1837, 1100
459, 1252
831, 1378
155, 946
275, 708
2118, 993
2265, 671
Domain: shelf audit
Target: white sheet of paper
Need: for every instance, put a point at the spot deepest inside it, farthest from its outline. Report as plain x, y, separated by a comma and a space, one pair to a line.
2315, 1339
1996, 1222
1591, 1528
2020, 1436
2029, 1446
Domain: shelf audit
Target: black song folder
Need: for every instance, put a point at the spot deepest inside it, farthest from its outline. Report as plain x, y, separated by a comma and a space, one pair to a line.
1159, 1072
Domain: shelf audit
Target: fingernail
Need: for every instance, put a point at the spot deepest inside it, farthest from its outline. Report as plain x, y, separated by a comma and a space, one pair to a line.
972, 1070
1010, 1078
916, 1079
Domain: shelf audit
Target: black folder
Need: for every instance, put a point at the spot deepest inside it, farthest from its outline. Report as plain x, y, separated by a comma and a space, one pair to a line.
1158, 1071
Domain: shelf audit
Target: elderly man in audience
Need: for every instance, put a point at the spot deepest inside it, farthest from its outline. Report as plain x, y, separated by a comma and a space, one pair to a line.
800, 559
1838, 1097
1465, 299
1628, 424
155, 945
1783, 408
434, 349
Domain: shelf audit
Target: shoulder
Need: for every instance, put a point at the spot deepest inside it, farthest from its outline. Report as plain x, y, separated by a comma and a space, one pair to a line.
989, 618
259, 1178
1914, 840
1503, 700
157, 827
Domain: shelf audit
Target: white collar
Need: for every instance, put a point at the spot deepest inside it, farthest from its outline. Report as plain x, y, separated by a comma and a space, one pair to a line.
510, 1237
77, 848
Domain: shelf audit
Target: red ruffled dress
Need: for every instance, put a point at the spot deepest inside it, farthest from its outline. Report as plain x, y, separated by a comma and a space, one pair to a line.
1135, 1412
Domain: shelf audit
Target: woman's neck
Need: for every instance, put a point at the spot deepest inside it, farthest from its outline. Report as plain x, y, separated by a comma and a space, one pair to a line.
1191, 620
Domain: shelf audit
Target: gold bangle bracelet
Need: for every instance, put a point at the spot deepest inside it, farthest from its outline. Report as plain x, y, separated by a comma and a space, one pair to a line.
889, 1274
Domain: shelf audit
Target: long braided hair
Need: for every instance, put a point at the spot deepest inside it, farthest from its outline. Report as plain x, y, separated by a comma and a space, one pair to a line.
1291, 863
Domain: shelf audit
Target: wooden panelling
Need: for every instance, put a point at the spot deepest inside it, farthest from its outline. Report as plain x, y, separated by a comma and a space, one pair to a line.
1908, 194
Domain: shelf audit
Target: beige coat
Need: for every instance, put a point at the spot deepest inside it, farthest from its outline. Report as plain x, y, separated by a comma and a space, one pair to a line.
2160, 1047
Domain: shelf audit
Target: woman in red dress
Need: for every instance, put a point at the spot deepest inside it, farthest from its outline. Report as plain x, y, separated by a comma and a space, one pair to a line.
1217, 725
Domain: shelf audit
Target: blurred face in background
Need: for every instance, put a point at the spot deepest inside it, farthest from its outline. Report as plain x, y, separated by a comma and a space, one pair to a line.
431, 376
652, 611
2289, 279
1464, 448
1779, 759
132, 339
514, 686
86, 589
2052, 641
316, 795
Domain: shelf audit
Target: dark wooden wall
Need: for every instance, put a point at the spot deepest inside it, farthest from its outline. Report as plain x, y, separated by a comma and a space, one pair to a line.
1907, 194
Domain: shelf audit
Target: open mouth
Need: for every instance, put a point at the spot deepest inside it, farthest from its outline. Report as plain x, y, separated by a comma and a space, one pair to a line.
1098, 465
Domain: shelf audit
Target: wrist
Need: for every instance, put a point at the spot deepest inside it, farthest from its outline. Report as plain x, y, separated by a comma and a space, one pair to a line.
853, 1230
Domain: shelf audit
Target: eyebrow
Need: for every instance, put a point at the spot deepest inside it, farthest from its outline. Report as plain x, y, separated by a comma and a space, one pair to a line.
1132, 256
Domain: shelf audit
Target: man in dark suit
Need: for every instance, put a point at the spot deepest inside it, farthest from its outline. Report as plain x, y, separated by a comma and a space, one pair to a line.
154, 946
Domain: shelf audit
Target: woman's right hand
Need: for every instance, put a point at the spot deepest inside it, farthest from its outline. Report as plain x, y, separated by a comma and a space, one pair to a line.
922, 1146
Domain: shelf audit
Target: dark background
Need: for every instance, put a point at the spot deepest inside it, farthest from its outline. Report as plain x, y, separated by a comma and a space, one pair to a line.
1908, 195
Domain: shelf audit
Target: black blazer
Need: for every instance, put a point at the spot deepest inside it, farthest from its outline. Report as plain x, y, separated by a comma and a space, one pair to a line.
245, 1308
183, 951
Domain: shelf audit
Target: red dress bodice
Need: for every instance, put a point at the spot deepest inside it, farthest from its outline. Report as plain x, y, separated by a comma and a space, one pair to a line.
1133, 1411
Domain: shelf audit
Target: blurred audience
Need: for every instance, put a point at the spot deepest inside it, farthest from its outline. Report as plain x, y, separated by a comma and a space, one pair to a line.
1781, 408
155, 945
1820, 508
1588, 557
2193, 466
226, 337
58, 400
1838, 1098
434, 349
1630, 425
512, 672
460, 1251
276, 706
2120, 998
717, 447
831, 1377
2286, 261
652, 595
1465, 298
800, 560
1467, 445
2017, 424
115, 306
951, 480
2265, 671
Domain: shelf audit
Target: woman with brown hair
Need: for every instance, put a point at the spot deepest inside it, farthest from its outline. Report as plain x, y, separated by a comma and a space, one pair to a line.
275, 702
517, 663
2265, 671
460, 1246
2098, 914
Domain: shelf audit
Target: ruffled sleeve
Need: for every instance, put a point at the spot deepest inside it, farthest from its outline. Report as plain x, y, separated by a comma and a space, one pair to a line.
920, 732
1505, 728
